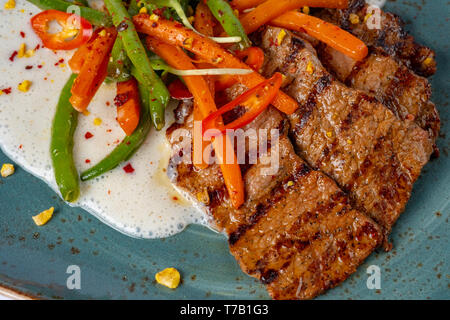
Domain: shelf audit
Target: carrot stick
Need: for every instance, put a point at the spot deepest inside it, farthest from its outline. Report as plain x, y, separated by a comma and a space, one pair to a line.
247, 4
332, 35
128, 106
271, 9
199, 88
175, 34
204, 23
204, 20
79, 57
93, 71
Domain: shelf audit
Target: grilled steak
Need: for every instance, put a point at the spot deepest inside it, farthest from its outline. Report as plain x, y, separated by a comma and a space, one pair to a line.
391, 37
406, 94
345, 133
296, 231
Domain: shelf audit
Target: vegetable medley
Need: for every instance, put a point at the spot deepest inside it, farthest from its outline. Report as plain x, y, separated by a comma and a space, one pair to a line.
155, 50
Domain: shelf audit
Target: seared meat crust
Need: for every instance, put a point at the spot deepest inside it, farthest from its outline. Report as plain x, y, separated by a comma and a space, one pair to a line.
390, 38
345, 133
296, 231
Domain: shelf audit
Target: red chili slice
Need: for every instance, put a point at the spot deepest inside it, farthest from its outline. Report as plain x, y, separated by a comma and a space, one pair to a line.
254, 101
72, 35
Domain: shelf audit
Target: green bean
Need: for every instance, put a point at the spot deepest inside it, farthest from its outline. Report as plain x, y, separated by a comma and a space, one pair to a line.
119, 63
81, 2
95, 17
137, 54
61, 146
129, 144
222, 11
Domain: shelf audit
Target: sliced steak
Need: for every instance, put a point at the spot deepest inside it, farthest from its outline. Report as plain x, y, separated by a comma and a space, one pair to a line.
345, 133
406, 94
391, 37
296, 231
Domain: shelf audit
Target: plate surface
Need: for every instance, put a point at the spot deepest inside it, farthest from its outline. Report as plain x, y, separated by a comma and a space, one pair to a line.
34, 261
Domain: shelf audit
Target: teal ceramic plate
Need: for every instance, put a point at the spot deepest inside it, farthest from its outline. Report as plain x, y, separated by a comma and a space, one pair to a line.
34, 261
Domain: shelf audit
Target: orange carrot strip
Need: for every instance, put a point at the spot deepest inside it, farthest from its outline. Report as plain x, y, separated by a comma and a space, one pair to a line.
199, 88
332, 35
79, 57
203, 23
128, 105
93, 71
175, 34
204, 20
247, 4
271, 9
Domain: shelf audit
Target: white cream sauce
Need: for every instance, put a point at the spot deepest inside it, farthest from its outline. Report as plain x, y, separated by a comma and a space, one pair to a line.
142, 204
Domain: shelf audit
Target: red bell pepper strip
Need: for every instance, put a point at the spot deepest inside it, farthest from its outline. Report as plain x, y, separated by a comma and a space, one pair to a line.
94, 69
128, 106
255, 100
75, 30
178, 90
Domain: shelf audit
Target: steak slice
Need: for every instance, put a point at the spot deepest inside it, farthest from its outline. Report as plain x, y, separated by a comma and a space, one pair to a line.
391, 37
296, 231
406, 94
345, 133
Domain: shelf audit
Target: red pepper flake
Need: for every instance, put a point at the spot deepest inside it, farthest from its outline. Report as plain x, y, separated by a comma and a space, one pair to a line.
13, 55
21, 146
120, 99
87, 161
108, 103
128, 142
88, 135
39, 66
59, 62
128, 168
22, 34
159, 11
37, 47
108, 130
179, 25
6, 90
109, 192
28, 67
175, 198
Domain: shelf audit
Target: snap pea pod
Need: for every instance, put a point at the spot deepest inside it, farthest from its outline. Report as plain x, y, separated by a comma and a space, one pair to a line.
137, 54
61, 147
95, 17
129, 144
222, 11
119, 64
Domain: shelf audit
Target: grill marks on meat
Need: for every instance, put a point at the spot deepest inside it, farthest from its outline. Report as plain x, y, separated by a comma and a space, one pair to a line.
391, 37
406, 94
296, 231
347, 134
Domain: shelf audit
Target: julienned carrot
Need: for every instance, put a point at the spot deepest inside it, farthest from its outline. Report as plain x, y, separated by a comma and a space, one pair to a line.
93, 72
204, 20
128, 105
332, 35
203, 23
173, 33
79, 57
271, 9
199, 88
247, 4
